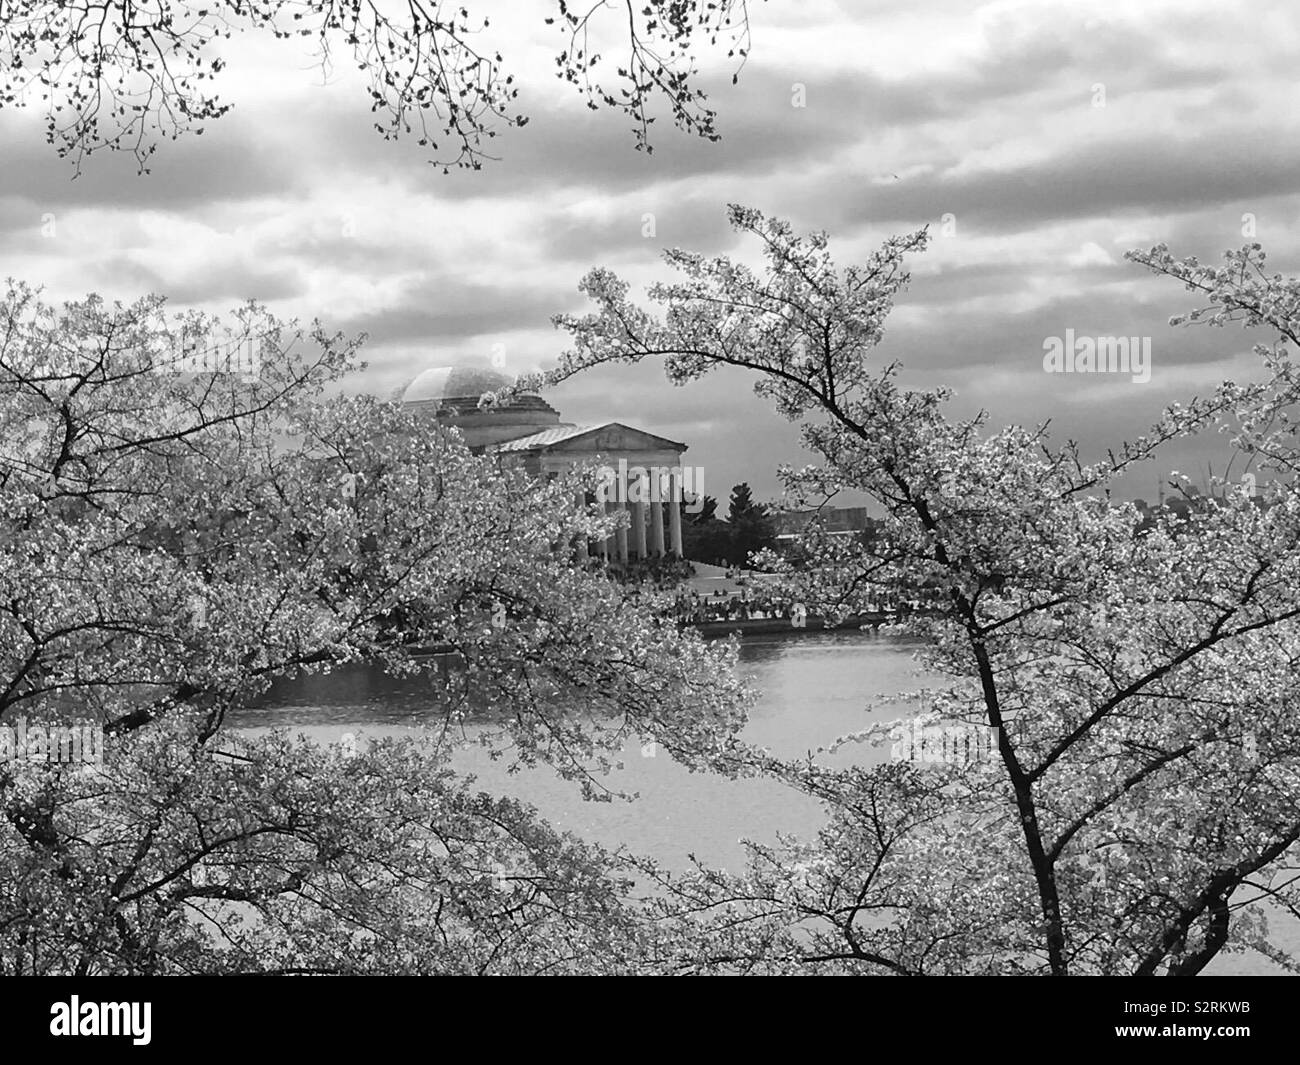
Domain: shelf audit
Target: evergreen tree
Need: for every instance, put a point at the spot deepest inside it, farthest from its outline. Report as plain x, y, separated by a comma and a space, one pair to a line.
750, 525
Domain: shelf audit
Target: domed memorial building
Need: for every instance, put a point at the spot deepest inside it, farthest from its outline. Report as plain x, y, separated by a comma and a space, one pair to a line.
638, 469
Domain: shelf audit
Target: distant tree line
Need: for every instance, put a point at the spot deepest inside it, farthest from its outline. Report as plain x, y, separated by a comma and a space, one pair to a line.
748, 528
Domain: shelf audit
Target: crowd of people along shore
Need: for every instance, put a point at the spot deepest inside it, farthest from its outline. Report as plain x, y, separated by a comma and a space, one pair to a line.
751, 601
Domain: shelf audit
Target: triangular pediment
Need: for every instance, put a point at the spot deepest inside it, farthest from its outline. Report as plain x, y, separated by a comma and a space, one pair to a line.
613, 437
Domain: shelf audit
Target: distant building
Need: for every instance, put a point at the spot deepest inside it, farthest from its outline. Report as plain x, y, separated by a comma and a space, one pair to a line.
526, 433
791, 525
452, 393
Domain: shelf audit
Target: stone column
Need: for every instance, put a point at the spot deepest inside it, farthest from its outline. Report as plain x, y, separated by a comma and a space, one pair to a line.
656, 521
675, 512
602, 544
638, 526
611, 544
620, 534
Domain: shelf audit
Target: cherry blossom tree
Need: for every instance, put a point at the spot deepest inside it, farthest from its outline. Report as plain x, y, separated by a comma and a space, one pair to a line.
172, 540
125, 76
1136, 689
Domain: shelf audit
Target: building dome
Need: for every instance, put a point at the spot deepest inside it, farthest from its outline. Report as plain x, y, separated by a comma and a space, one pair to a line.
452, 393
453, 382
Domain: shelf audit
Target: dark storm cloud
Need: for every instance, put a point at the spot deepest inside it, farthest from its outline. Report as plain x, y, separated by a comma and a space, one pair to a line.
731, 433
569, 147
239, 164
1124, 175
1273, 222
992, 338
763, 132
963, 282
438, 308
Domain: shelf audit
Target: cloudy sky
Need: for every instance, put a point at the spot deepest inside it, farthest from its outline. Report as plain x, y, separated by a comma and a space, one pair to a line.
1039, 140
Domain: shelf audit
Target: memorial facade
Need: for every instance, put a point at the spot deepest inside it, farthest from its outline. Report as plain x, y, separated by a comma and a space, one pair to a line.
640, 472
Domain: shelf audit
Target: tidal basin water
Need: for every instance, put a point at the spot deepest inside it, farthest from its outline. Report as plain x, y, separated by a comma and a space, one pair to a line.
814, 687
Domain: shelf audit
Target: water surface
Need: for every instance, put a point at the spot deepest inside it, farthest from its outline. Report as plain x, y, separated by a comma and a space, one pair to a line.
813, 688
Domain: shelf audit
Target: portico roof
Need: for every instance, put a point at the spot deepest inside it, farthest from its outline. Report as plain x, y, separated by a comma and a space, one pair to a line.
608, 436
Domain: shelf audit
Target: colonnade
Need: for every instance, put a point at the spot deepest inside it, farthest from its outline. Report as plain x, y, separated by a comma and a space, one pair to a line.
642, 538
